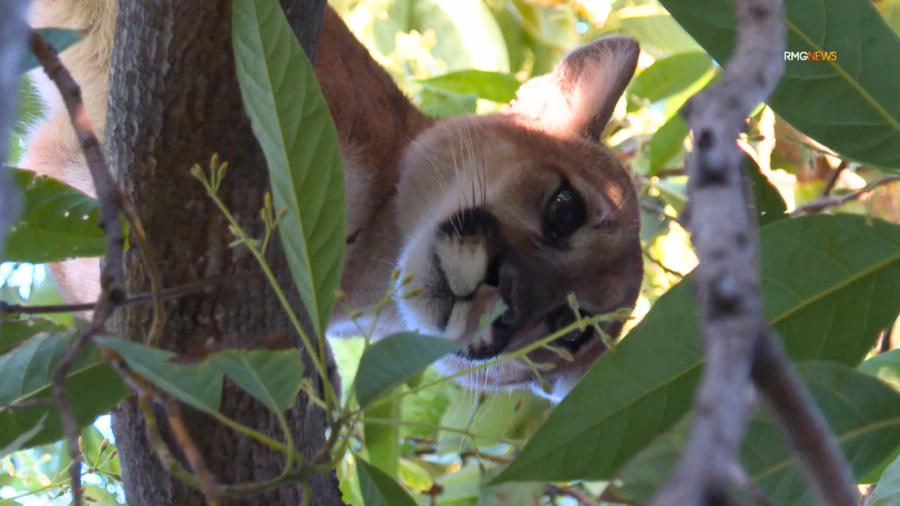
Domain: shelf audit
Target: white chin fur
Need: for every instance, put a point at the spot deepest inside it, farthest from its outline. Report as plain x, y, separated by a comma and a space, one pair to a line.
560, 389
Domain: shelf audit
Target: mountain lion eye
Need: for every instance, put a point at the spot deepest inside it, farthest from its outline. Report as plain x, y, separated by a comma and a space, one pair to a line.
565, 213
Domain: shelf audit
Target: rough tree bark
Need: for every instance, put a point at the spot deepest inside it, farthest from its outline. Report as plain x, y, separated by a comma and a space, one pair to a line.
174, 101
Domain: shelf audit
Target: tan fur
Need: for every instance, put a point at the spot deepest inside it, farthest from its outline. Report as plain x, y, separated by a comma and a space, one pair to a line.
408, 176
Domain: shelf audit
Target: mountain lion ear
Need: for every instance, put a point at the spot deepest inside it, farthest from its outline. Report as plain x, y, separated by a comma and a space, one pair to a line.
580, 95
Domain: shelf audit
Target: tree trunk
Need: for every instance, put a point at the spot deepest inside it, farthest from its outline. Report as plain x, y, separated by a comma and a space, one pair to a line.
174, 101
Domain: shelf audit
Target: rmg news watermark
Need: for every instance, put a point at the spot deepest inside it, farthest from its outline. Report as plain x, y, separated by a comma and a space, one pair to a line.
810, 55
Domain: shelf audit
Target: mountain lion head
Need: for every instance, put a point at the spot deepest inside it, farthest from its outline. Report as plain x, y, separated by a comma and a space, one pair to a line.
526, 206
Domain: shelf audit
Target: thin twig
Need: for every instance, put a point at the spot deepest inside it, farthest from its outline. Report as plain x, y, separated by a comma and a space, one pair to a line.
727, 279
832, 179
572, 492
167, 294
102, 312
192, 452
111, 201
828, 202
807, 431
108, 193
156, 283
653, 208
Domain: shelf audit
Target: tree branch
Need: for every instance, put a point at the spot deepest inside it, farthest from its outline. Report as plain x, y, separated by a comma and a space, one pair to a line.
168, 294
108, 193
804, 426
112, 275
724, 234
825, 202
579, 496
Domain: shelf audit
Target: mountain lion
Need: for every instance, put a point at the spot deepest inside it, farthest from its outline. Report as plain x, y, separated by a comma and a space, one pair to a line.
524, 206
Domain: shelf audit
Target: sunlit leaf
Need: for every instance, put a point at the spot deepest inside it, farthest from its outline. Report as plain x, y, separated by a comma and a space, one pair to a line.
552, 25
502, 414
862, 411
92, 387
469, 36
379, 489
496, 86
848, 103
885, 366
509, 494
415, 476
830, 285
394, 359
444, 104
667, 142
292, 123
56, 222
654, 28
667, 77
383, 439
887, 492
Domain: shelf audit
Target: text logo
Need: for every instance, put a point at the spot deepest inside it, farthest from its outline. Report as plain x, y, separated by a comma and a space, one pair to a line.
810, 55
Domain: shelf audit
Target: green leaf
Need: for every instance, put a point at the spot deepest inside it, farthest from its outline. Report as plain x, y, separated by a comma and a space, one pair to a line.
502, 414
428, 405
666, 77
885, 366
379, 489
830, 285
654, 27
887, 492
383, 440
496, 86
272, 377
509, 494
14, 332
415, 476
291, 121
57, 222
59, 38
667, 142
391, 361
769, 204
862, 411
93, 388
467, 34
23, 438
849, 104
443, 104
199, 385
553, 25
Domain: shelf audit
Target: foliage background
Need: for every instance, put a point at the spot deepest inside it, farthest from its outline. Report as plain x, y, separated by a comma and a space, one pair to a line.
453, 439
